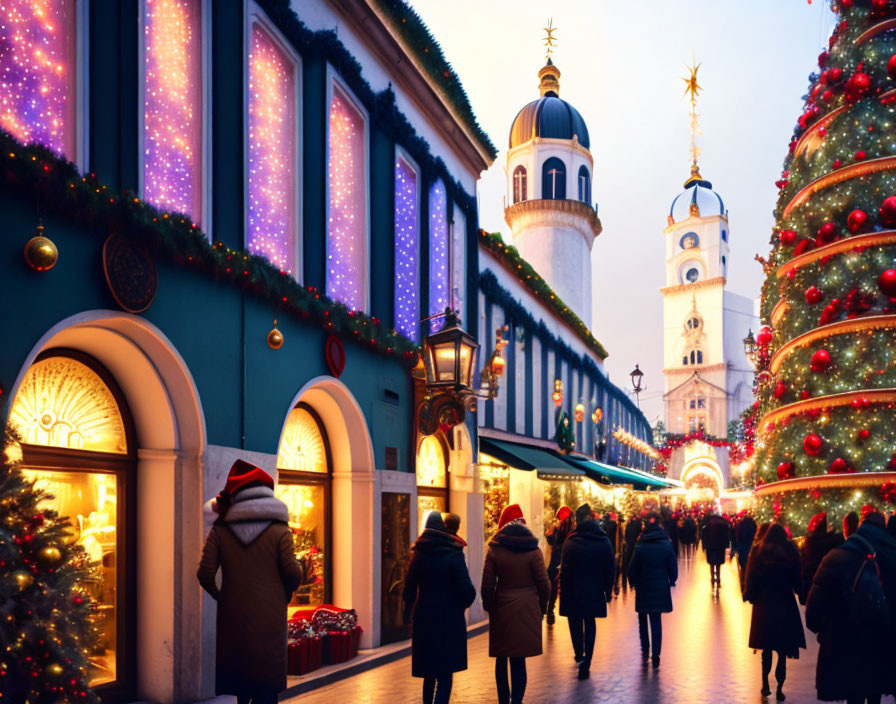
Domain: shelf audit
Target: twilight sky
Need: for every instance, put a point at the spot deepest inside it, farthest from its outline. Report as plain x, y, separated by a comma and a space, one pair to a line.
621, 65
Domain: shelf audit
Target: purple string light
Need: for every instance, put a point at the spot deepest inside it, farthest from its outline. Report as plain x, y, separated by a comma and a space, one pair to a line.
406, 234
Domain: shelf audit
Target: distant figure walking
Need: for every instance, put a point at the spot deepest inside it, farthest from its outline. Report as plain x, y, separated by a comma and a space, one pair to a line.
555, 536
819, 542
437, 592
688, 535
652, 573
515, 592
716, 538
252, 545
744, 534
632, 533
772, 583
586, 584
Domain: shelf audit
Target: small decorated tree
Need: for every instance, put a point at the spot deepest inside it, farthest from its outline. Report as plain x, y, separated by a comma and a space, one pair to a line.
46, 619
826, 424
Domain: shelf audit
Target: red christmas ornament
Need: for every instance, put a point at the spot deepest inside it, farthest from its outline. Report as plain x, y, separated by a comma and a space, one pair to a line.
837, 163
780, 390
860, 156
803, 247
764, 336
813, 445
891, 66
862, 435
787, 238
804, 394
879, 4
821, 361
826, 233
858, 85
786, 470
888, 211
814, 295
822, 58
857, 221
838, 466
887, 283
834, 75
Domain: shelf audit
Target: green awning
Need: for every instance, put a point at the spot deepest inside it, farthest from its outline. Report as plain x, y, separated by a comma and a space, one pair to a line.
618, 475
548, 464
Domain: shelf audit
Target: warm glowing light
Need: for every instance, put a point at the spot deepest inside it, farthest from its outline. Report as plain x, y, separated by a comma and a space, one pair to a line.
302, 446
37, 79
636, 443
431, 463
347, 203
557, 396
63, 403
307, 523
172, 105
407, 227
438, 252
271, 229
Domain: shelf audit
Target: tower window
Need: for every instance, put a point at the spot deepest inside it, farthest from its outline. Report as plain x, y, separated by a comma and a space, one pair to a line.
699, 357
519, 184
724, 235
684, 361
584, 184
553, 179
692, 275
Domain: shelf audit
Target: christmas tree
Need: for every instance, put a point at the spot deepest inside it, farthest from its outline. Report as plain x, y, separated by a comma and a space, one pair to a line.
826, 428
46, 620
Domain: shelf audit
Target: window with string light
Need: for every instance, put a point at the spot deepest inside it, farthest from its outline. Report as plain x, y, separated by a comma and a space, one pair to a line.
406, 222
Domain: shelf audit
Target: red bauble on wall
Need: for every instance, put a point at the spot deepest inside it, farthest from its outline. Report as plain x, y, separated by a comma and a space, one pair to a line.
887, 283
786, 470
764, 336
814, 295
787, 238
813, 445
888, 211
821, 361
857, 221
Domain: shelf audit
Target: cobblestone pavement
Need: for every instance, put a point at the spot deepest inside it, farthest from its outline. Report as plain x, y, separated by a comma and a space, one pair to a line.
705, 659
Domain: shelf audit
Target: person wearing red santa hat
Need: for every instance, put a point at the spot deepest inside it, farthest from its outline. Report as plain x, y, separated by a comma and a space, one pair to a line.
555, 536
250, 542
515, 591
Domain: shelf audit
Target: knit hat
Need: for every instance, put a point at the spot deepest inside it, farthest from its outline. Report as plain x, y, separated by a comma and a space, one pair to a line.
817, 520
509, 514
243, 474
583, 513
434, 522
563, 513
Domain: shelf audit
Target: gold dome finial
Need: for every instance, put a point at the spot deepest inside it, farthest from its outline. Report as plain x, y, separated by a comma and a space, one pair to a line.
549, 75
693, 89
550, 41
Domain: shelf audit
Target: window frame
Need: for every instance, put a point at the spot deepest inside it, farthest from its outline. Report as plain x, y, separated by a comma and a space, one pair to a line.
435, 491
205, 138
559, 180
584, 183
520, 180
333, 78
255, 15
401, 153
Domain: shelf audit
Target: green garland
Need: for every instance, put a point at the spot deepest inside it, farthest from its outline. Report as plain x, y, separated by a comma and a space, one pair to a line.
538, 287
34, 171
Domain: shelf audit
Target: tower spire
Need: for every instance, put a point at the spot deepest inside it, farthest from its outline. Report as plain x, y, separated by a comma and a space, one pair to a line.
549, 75
693, 89
550, 41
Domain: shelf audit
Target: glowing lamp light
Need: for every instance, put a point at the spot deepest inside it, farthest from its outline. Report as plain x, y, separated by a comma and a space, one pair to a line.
498, 366
557, 396
597, 415
636, 374
579, 412
750, 348
449, 356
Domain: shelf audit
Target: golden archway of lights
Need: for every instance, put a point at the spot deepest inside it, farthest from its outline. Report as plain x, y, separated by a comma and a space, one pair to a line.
302, 447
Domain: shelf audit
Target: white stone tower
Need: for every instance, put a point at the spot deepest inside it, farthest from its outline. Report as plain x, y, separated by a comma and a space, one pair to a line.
549, 176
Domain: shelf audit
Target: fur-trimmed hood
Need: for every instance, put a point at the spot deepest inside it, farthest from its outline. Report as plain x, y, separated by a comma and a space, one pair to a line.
252, 511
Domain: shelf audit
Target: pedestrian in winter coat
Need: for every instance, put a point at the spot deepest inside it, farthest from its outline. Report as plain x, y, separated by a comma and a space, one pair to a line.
819, 542
252, 545
772, 582
688, 534
437, 592
850, 524
744, 534
670, 525
715, 542
586, 584
632, 533
555, 537
515, 591
652, 574
854, 657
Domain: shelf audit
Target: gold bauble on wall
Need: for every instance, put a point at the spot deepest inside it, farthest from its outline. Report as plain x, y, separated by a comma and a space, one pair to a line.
275, 337
40, 252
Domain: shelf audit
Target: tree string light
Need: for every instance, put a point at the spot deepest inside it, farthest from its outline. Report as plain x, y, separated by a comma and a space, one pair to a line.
407, 226
438, 252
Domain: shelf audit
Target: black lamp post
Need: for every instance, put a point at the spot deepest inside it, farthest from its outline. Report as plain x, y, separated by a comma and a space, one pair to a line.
750, 348
637, 375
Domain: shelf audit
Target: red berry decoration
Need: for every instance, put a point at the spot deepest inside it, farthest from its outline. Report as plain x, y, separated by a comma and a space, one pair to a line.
821, 361
764, 336
826, 233
838, 466
780, 390
837, 163
857, 221
860, 156
787, 238
887, 283
813, 445
888, 211
814, 295
804, 394
863, 435
786, 470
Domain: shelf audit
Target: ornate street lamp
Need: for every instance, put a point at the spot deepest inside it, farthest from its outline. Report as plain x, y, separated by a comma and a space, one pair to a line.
557, 396
637, 375
449, 356
579, 412
750, 348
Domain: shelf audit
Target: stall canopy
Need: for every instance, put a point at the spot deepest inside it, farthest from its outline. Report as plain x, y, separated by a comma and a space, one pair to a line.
548, 464
605, 473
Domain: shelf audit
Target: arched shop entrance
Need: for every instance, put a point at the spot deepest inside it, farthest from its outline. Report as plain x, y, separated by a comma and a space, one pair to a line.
432, 477
703, 478
113, 426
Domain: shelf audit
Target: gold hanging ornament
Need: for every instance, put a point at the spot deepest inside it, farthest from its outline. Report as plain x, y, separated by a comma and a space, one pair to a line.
23, 579
275, 337
54, 669
50, 556
40, 252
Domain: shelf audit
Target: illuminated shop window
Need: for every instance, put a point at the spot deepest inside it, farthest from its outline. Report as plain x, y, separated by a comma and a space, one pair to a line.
272, 215
346, 202
407, 228
495, 480
439, 280
303, 484
432, 478
38, 79
64, 403
173, 106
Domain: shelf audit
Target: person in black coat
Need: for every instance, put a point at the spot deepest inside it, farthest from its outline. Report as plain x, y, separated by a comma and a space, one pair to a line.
772, 582
819, 542
630, 538
688, 534
652, 573
586, 584
853, 664
744, 534
671, 528
555, 536
437, 592
715, 543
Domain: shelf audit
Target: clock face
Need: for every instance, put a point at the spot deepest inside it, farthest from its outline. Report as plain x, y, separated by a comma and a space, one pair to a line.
689, 240
692, 275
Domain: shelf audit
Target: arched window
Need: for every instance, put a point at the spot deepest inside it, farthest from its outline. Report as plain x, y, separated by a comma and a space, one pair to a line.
693, 357
78, 445
304, 474
553, 179
699, 357
406, 222
724, 235
520, 185
432, 478
684, 361
584, 184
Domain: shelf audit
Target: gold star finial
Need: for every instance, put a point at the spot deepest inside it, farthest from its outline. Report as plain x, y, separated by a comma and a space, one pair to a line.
693, 89
550, 41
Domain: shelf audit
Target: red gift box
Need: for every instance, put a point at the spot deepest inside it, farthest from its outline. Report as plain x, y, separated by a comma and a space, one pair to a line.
304, 655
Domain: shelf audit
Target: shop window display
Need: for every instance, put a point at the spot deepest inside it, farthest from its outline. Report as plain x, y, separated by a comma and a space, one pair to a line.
307, 521
495, 479
432, 479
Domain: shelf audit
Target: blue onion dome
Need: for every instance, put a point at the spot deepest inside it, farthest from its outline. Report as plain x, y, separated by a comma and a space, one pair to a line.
549, 116
698, 199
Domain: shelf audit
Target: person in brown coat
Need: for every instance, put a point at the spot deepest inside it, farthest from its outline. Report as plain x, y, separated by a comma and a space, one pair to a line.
252, 545
515, 592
